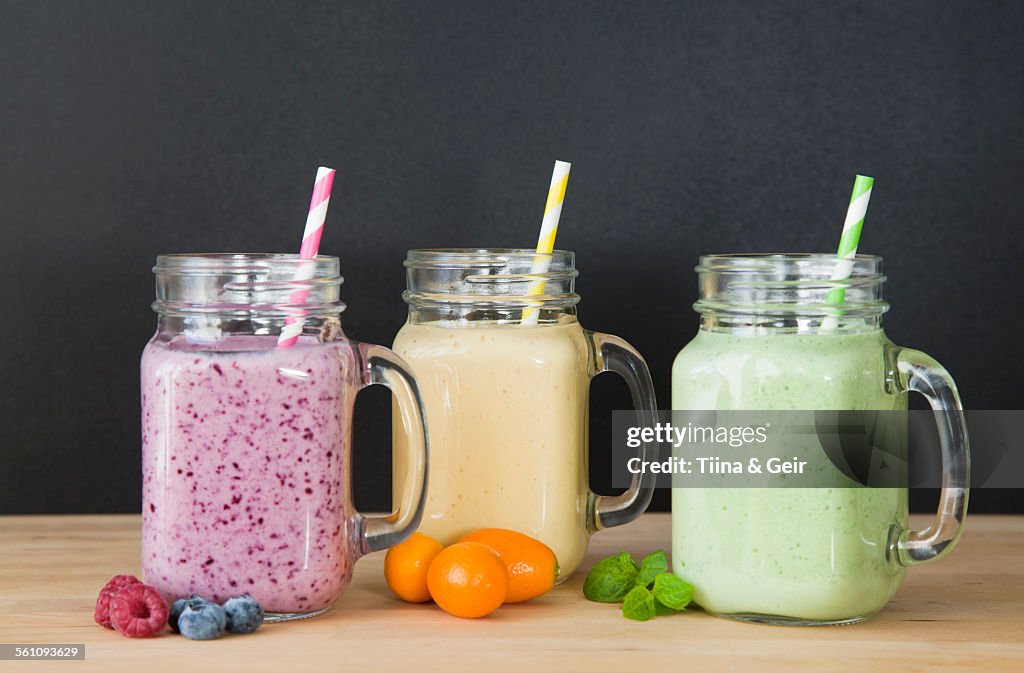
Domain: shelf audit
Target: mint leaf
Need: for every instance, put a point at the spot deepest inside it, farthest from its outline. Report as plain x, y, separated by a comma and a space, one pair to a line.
627, 561
672, 592
639, 604
660, 609
611, 579
653, 565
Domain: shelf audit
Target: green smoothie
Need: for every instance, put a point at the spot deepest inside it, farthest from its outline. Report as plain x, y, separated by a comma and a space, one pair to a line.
801, 554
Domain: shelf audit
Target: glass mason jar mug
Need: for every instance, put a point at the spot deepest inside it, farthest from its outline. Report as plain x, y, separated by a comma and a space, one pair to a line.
504, 368
246, 434
778, 334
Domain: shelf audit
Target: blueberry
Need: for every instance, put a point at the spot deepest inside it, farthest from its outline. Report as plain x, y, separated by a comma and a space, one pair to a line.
202, 620
195, 600
179, 606
244, 614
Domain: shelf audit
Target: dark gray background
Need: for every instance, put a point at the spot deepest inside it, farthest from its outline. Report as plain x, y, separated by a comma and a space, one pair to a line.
133, 128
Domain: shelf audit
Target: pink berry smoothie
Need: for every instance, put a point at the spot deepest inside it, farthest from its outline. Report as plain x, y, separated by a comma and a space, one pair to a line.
245, 471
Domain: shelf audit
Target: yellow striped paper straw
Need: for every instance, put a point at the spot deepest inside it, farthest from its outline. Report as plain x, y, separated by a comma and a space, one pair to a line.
548, 231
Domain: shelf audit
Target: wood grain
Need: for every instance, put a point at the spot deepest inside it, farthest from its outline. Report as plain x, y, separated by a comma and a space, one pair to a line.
963, 613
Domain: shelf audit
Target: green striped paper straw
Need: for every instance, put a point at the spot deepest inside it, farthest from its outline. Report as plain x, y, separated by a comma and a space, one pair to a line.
851, 235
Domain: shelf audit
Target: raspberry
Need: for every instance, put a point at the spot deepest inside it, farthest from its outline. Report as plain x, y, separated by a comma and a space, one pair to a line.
102, 612
118, 581
138, 611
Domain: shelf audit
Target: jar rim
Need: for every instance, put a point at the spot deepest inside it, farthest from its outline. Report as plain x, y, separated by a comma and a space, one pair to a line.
427, 257
768, 289
236, 255
758, 261
490, 278
479, 250
206, 262
267, 284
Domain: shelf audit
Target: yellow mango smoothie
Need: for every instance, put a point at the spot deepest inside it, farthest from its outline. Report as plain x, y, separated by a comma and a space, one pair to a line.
506, 408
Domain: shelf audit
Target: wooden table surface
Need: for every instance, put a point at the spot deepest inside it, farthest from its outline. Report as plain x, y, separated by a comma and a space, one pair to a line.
962, 613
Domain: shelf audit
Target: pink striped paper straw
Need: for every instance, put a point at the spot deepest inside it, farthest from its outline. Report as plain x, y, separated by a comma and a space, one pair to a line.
310, 246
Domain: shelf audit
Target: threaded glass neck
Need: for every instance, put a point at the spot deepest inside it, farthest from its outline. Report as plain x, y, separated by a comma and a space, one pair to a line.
790, 292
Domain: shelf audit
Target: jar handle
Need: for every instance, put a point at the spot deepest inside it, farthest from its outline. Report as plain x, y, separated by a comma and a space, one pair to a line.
612, 354
379, 365
921, 373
